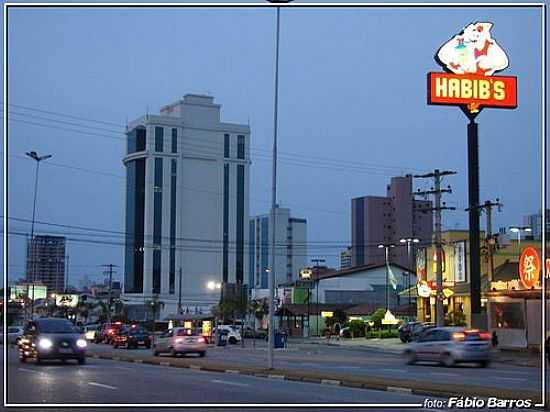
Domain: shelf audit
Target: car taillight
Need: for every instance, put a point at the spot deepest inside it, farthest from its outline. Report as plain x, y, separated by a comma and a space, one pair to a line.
110, 331
458, 336
179, 340
201, 340
485, 335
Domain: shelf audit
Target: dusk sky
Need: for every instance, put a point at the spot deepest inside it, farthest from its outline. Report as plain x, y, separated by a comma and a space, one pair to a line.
352, 112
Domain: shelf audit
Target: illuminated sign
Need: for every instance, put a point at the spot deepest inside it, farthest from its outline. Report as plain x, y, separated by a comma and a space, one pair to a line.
460, 261
306, 273
70, 301
472, 57
423, 289
529, 267
326, 314
23, 292
421, 263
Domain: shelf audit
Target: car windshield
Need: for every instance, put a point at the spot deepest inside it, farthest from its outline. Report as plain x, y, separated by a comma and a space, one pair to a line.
56, 326
137, 331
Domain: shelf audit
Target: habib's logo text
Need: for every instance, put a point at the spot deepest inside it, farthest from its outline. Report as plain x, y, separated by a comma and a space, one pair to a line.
472, 56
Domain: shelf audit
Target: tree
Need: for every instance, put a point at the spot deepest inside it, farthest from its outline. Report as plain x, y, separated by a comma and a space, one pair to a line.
377, 317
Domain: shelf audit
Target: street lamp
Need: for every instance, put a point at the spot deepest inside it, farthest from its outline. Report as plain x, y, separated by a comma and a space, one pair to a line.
386, 248
33, 155
518, 230
408, 241
211, 285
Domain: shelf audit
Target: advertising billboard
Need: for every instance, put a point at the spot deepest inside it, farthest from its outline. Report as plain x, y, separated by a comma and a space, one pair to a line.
22, 292
69, 301
460, 261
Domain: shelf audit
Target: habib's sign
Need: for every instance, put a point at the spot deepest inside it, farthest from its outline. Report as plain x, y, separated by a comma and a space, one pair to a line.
472, 57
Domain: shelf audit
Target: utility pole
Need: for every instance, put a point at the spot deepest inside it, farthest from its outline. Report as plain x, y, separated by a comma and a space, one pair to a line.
487, 207
437, 192
110, 266
179, 292
316, 278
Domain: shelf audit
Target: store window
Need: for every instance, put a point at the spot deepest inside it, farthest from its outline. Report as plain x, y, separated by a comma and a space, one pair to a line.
507, 315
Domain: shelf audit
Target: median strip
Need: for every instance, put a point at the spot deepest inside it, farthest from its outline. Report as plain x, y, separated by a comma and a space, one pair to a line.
398, 389
330, 382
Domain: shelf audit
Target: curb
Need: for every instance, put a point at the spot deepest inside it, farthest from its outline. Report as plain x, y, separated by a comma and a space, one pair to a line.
370, 383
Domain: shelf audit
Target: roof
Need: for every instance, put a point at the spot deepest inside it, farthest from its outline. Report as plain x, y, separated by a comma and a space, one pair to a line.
357, 269
507, 271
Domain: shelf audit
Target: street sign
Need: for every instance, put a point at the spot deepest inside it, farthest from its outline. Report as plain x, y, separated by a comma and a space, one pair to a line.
69, 301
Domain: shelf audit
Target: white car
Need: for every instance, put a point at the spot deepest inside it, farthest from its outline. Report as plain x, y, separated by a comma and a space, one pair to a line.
14, 334
91, 332
233, 333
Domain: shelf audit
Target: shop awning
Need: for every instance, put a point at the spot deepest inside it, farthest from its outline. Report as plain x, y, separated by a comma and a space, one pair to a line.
412, 290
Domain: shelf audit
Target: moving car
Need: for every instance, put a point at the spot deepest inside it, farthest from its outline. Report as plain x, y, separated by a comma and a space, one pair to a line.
233, 333
178, 341
450, 345
132, 337
52, 338
108, 331
14, 334
418, 330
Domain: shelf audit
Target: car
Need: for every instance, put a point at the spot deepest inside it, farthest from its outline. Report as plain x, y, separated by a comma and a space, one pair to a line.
250, 332
91, 332
418, 330
233, 333
132, 337
52, 338
14, 334
108, 331
406, 329
451, 345
180, 341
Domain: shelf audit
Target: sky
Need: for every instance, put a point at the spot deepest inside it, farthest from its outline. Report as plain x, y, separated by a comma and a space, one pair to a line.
352, 111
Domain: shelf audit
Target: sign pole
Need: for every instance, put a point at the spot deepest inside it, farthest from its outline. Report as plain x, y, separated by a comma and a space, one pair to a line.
473, 201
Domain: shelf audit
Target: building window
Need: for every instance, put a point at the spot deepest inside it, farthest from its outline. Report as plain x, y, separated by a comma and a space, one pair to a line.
240, 147
136, 140
226, 152
172, 277
135, 218
251, 254
225, 251
360, 232
239, 274
159, 139
264, 253
157, 224
174, 140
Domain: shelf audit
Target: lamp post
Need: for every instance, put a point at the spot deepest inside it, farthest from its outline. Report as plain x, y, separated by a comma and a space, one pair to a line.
408, 241
31, 276
518, 230
386, 248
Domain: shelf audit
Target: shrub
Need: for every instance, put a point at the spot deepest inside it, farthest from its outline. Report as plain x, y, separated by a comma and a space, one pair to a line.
356, 328
377, 317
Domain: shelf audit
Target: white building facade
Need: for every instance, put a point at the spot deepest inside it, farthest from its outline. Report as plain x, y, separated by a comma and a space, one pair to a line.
187, 206
290, 249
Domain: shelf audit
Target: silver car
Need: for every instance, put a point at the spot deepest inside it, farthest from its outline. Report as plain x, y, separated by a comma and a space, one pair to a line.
450, 345
178, 341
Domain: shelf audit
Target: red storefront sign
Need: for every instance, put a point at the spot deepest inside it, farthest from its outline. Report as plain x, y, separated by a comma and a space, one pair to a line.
473, 91
529, 267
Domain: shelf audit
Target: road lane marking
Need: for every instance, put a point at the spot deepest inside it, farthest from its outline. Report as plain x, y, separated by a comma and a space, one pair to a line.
390, 370
228, 382
101, 385
398, 389
443, 374
25, 370
513, 379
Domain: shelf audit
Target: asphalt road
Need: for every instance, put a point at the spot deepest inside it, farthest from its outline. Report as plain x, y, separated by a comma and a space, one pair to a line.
364, 363
105, 381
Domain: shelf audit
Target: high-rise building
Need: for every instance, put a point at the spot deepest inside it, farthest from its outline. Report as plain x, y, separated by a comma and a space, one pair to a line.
187, 205
290, 248
534, 221
46, 261
385, 220
345, 259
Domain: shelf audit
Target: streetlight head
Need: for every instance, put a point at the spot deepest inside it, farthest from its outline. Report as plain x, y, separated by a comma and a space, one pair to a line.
403, 240
415, 240
514, 229
392, 245
380, 246
528, 229
211, 285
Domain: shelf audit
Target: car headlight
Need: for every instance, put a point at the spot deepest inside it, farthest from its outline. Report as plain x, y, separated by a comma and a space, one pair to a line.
45, 343
81, 343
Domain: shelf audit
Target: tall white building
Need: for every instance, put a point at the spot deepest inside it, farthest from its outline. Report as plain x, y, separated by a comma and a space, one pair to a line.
345, 258
290, 253
187, 187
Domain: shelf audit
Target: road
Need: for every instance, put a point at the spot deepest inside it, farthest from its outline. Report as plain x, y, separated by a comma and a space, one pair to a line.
364, 363
105, 381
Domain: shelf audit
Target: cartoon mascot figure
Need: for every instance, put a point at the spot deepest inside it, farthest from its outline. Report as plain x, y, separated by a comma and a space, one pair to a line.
473, 51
